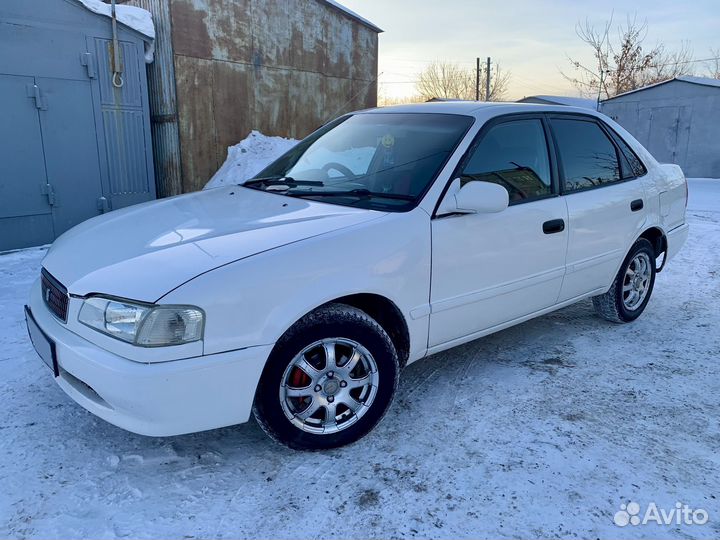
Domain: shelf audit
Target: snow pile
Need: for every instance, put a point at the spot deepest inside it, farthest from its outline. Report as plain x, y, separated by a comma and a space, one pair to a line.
134, 17
249, 157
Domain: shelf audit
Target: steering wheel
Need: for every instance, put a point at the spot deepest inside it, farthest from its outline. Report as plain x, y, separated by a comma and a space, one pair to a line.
333, 165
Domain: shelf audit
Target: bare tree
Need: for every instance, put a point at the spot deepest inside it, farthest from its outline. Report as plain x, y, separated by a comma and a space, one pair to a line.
499, 82
622, 64
448, 80
385, 100
713, 65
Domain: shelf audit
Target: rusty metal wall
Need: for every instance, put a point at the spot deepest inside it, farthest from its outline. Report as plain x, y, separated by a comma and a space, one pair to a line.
283, 67
163, 101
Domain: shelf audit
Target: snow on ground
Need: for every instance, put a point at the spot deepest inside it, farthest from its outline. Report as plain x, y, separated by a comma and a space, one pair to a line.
249, 157
541, 430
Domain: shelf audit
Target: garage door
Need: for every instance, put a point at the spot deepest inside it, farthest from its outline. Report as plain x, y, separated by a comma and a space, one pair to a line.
49, 159
25, 211
73, 145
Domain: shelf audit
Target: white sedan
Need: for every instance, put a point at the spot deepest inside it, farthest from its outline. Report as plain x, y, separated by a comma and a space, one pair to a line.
384, 237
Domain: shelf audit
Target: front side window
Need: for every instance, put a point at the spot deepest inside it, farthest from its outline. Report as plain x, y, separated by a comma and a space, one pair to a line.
515, 155
587, 155
381, 161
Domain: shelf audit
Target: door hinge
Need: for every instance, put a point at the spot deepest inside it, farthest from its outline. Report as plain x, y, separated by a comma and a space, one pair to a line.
33, 92
87, 60
103, 205
47, 189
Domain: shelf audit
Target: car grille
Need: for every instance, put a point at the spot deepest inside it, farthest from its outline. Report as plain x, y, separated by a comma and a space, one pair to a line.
54, 295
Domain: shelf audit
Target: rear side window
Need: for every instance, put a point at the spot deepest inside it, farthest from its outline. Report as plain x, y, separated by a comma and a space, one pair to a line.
588, 157
515, 155
632, 166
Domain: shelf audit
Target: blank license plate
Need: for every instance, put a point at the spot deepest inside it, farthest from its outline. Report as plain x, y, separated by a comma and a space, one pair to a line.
44, 346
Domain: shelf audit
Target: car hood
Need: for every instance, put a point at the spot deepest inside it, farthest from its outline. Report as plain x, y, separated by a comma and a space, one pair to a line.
144, 251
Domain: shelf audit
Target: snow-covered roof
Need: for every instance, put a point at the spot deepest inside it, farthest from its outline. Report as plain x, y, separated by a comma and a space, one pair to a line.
704, 81
133, 17
586, 103
350, 13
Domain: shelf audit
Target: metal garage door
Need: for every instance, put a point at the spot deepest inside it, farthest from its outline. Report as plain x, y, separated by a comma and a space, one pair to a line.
669, 133
71, 144
25, 213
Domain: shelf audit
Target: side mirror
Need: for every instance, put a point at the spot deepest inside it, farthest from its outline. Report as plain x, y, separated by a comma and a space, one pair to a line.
475, 197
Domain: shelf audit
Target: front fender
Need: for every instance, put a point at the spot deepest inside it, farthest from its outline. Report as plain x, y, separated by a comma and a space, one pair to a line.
254, 301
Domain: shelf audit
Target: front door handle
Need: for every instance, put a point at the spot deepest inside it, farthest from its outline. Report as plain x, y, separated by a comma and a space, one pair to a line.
636, 205
554, 226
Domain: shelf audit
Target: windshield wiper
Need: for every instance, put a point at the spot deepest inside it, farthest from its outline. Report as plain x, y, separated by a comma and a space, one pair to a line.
361, 193
281, 181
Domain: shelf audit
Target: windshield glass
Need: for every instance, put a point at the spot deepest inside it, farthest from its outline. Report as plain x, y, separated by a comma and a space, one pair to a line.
384, 161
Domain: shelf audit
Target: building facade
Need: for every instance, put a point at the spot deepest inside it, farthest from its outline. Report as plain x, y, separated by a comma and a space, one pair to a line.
678, 121
226, 67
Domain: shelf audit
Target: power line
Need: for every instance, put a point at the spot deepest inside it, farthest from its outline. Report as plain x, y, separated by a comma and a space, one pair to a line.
424, 60
688, 62
681, 62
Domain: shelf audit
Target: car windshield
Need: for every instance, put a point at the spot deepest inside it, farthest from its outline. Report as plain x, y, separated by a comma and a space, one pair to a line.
382, 161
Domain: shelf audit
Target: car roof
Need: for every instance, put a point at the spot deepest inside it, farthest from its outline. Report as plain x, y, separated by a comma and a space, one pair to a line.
478, 108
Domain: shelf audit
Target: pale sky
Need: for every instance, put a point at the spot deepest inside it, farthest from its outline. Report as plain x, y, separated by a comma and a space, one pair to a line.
529, 38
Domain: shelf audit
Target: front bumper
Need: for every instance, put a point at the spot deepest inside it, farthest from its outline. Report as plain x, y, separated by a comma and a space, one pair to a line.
159, 399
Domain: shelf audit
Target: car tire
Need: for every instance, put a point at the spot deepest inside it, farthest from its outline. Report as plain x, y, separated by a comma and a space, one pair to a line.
336, 358
630, 292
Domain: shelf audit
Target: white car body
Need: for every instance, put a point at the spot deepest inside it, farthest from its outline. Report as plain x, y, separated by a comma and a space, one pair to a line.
257, 262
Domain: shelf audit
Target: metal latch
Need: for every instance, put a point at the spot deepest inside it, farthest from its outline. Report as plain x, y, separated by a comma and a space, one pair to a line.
86, 59
103, 205
47, 189
33, 92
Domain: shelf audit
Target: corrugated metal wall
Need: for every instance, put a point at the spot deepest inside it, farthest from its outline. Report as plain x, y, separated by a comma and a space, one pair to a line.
163, 101
678, 122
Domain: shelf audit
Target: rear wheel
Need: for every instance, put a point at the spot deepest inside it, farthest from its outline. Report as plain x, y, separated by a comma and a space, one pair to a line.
329, 380
630, 292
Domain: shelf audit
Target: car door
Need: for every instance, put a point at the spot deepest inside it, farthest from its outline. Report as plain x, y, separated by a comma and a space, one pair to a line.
489, 269
605, 200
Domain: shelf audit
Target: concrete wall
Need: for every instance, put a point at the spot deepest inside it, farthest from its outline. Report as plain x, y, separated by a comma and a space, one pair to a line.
283, 67
678, 122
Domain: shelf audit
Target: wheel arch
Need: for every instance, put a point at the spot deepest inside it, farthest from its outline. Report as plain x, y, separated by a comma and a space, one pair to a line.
385, 312
657, 239
387, 315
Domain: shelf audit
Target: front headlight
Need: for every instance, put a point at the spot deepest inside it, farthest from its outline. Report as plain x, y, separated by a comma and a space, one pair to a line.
144, 325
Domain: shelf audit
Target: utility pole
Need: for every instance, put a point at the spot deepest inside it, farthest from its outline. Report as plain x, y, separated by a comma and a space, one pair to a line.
477, 79
487, 81
597, 105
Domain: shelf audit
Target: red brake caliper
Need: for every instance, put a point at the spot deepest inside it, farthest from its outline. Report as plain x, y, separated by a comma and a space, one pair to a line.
299, 378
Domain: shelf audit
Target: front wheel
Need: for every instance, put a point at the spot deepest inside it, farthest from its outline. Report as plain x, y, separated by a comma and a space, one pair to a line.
329, 380
630, 292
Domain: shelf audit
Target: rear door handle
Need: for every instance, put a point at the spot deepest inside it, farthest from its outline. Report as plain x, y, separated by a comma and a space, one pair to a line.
636, 205
554, 226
